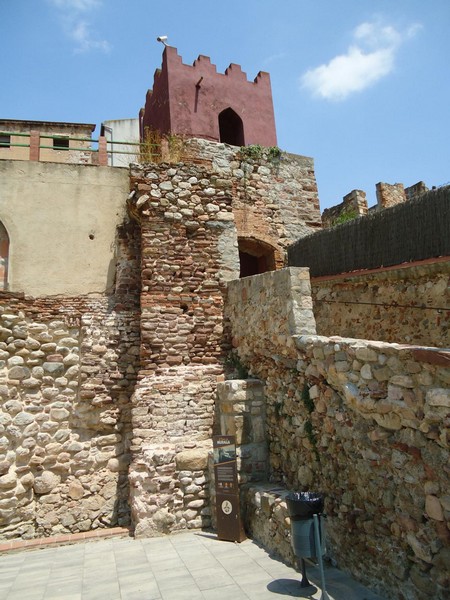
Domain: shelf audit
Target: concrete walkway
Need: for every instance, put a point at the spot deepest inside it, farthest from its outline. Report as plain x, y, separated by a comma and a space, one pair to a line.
187, 566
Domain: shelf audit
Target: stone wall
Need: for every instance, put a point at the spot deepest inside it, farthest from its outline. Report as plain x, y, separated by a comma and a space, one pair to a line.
353, 205
275, 199
191, 216
366, 424
68, 366
405, 304
189, 250
389, 194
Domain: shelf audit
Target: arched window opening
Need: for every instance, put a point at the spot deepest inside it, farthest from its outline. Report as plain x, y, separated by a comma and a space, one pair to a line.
4, 254
255, 257
231, 128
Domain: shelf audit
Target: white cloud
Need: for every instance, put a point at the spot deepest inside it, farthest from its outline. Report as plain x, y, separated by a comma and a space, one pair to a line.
367, 60
78, 5
77, 27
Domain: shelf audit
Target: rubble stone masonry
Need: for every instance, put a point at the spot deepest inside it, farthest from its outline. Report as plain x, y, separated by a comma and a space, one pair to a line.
68, 366
408, 304
365, 423
191, 216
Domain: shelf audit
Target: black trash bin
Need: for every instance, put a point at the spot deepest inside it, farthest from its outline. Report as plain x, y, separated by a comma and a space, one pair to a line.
302, 507
307, 531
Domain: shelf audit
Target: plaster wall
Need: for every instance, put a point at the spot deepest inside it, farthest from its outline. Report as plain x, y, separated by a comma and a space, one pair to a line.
61, 221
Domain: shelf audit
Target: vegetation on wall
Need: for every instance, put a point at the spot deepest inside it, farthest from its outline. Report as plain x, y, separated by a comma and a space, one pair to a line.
236, 369
256, 152
150, 147
345, 217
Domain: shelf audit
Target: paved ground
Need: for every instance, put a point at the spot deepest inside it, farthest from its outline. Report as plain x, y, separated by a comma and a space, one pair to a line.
187, 566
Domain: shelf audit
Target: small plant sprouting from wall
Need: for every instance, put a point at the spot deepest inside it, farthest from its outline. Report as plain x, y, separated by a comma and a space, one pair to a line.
237, 369
308, 426
256, 152
345, 217
177, 146
150, 147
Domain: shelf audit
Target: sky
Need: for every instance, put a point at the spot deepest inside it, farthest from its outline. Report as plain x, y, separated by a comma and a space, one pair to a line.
362, 86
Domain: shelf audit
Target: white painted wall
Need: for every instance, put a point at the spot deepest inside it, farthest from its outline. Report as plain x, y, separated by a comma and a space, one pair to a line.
123, 130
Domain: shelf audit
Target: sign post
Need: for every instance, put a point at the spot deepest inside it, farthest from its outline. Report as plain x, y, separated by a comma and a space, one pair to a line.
229, 525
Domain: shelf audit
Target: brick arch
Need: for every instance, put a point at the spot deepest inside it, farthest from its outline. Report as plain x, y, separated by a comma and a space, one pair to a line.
256, 256
4, 256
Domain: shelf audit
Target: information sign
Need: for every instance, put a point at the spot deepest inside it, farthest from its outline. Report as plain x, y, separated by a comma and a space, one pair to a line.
229, 526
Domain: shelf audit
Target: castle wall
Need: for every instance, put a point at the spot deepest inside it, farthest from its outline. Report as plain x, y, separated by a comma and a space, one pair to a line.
362, 422
187, 100
275, 198
61, 221
68, 365
353, 205
406, 304
189, 251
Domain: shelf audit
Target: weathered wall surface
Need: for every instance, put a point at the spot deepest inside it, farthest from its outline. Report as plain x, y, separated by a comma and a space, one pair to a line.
68, 366
274, 200
409, 304
353, 205
364, 422
189, 250
62, 222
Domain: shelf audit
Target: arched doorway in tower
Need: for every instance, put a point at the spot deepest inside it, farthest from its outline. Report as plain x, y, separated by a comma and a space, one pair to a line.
255, 257
4, 255
231, 128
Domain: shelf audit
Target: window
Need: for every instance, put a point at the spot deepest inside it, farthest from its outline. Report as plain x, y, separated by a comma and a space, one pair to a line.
5, 140
60, 143
255, 257
4, 254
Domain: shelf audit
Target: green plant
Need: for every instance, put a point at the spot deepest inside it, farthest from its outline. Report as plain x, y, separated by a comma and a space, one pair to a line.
307, 401
274, 153
257, 152
345, 217
252, 152
233, 363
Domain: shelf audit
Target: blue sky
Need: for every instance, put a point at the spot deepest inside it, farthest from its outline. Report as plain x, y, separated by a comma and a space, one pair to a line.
362, 86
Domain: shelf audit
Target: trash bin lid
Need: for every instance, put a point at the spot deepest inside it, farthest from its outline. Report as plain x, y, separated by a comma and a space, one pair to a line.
304, 504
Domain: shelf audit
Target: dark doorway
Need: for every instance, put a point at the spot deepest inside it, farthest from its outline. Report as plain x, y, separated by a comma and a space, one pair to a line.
231, 128
255, 257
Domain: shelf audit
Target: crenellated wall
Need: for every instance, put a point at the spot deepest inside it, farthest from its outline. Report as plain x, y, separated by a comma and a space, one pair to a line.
365, 423
187, 100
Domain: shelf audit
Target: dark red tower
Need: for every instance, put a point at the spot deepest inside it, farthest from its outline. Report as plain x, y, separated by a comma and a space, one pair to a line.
196, 101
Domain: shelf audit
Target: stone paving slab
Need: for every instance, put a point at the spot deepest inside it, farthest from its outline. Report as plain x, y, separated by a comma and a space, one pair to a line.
186, 566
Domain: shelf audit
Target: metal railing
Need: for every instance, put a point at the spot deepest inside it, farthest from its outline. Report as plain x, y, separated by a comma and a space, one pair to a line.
101, 146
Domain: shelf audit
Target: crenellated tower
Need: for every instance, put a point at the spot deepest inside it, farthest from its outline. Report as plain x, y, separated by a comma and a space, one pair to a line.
197, 101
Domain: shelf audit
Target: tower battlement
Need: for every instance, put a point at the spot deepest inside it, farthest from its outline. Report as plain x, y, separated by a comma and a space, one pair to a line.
197, 101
